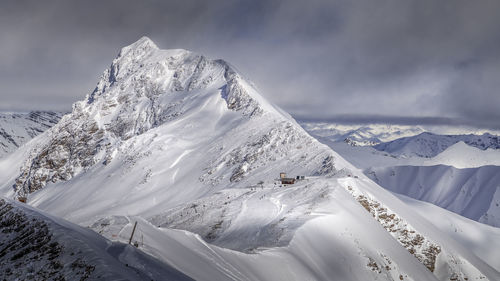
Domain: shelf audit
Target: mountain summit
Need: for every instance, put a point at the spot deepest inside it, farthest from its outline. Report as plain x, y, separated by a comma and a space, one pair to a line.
174, 108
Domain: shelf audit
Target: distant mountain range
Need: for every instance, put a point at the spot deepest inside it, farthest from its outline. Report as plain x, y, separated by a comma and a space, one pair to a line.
398, 140
455, 172
360, 135
429, 145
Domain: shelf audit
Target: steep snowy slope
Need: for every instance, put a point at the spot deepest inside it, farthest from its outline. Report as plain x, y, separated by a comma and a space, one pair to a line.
473, 192
36, 246
461, 155
174, 140
18, 128
465, 231
429, 145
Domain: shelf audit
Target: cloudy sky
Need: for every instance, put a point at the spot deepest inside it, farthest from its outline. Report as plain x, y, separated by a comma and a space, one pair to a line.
397, 61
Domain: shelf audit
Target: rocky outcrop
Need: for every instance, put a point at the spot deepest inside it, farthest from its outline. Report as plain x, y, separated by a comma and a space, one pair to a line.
29, 251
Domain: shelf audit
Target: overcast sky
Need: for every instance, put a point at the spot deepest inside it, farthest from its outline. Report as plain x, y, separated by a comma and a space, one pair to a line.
401, 61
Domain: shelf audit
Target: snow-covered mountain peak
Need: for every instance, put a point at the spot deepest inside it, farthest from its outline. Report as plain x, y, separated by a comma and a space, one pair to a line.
152, 99
143, 44
143, 74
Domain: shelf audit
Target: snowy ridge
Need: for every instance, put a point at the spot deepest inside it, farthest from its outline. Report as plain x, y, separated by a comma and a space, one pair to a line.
36, 246
443, 256
461, 155
17, 129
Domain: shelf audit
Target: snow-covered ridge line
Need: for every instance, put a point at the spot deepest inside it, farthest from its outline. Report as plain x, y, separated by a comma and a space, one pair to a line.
443, 262
425, 251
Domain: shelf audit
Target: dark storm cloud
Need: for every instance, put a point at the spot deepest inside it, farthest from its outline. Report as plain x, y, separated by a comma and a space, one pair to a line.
316, 58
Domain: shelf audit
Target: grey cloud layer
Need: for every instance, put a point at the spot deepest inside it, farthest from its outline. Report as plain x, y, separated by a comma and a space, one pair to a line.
314, 58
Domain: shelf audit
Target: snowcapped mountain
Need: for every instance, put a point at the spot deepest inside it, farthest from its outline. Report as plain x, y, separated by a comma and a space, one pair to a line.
187, 148
17, 129
37, 246
176, 109
429, 145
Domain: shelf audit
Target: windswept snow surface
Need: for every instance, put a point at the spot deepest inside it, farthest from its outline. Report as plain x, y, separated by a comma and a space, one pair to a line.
18, 128
186, 147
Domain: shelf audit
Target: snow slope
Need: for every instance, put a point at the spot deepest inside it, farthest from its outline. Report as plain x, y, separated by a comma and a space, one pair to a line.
18, 128
187, 147
335, 244
37, 246
483, 240
473, 192
461, 155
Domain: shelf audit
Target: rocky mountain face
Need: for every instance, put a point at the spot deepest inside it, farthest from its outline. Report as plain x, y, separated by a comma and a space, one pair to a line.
34, 246
17, 129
